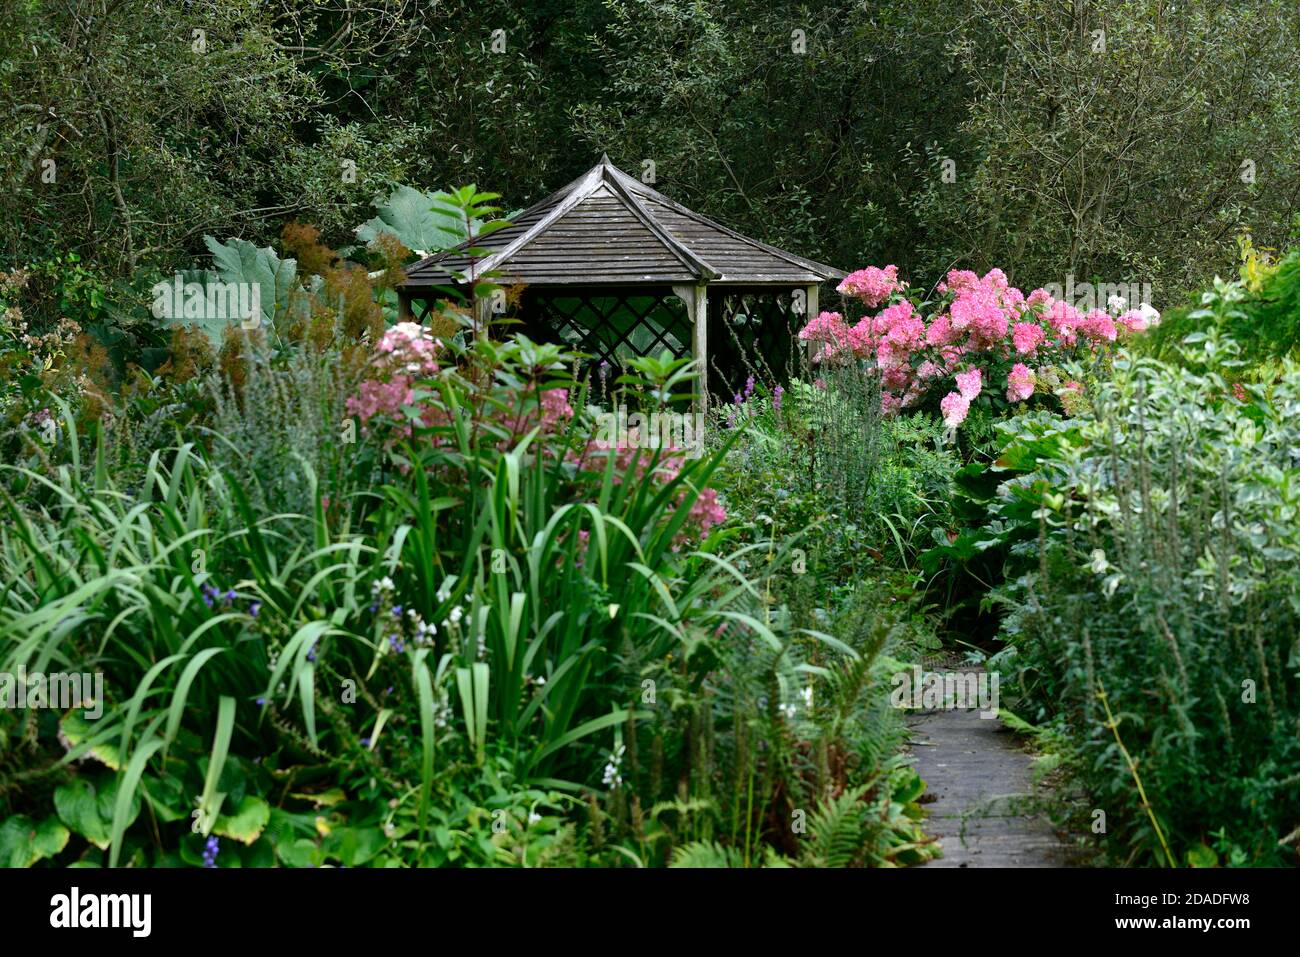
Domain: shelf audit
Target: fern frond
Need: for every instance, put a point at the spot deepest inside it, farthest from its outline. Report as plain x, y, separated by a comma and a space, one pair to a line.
836, 831
706, 854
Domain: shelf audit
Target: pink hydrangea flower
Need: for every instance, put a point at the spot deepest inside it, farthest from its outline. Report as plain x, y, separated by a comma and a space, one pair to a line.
995, 279
903, 327
1027, 337
872, 285
978, 307
1064, 320
862, 337
969, 384
555, 407
897, 377
1020, 382
940, 332
375, 397
706, 511
404, 354
959, 279
1132, 321
954, 407
1014, 300
827, 328
1098, 326
408, 347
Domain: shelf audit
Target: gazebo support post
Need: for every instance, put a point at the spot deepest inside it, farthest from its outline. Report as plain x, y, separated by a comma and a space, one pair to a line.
811, 309
697, 311
482, 313
404, 313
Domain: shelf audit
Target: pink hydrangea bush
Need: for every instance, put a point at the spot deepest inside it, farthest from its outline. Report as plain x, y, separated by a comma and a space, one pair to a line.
983, 337
405, 384
406, 356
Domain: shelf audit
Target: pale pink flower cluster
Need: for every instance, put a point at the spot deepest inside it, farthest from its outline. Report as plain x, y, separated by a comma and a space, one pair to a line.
970, 383
555, 408
984, 332
873, 286
1132, 320
1020, 382
1027, 337
375, 397
954, 407
406, 353
408, 347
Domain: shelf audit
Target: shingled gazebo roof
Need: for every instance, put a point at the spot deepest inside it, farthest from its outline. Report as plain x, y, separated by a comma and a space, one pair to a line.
608, 228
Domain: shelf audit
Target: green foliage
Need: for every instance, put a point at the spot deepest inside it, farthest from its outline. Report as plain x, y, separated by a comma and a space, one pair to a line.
440, 645
1107, 163
422, 222
1151, 554
1259, 313
858, 493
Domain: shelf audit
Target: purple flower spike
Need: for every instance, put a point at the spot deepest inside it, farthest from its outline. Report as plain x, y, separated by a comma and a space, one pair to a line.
210, 851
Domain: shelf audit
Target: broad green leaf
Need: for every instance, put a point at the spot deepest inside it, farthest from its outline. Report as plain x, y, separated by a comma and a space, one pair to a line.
78, 807
1202, 856
239, 261
23, 842
247, 821
423, 222
78, 730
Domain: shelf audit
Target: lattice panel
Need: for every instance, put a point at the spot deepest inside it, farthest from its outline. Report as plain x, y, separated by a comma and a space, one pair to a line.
752, 333
611, 328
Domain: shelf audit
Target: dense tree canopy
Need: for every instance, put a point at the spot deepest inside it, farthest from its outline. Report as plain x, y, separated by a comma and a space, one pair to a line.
1126, 140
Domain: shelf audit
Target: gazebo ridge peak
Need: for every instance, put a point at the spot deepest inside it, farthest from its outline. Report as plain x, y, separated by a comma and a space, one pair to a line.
606, 226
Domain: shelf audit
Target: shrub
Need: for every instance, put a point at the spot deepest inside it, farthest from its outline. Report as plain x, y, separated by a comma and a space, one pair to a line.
1259, 311
984, 340
1154, 576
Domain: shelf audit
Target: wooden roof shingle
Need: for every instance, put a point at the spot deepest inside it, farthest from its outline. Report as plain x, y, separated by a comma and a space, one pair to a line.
606, 227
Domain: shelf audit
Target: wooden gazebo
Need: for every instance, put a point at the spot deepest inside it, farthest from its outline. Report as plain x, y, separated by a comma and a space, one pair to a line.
614, 268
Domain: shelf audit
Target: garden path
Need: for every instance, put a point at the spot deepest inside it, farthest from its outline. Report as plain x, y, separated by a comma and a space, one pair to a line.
982, 786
